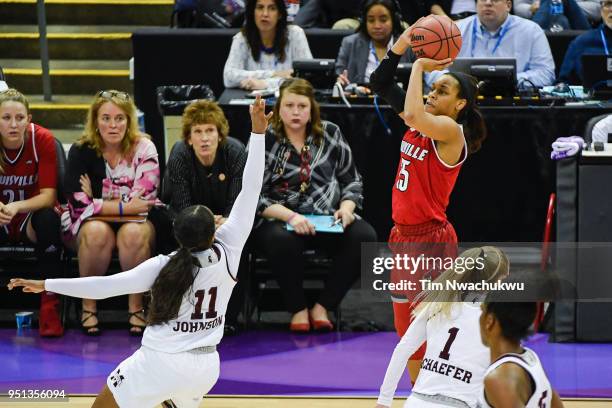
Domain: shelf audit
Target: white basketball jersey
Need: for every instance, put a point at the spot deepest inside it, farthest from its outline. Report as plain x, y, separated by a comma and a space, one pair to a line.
201, 316
455, 360
542, 394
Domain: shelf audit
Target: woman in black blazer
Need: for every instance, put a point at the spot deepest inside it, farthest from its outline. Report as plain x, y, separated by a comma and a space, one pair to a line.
206, 168
360, 52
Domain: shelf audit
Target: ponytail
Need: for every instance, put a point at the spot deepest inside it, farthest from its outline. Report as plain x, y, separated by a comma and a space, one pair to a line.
475, 129
470, 117
173, 281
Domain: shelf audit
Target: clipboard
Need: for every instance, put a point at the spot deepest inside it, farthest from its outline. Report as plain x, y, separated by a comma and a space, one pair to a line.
322, 223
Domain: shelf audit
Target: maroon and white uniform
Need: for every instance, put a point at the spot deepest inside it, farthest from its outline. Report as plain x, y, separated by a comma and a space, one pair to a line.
529, 361
178, 359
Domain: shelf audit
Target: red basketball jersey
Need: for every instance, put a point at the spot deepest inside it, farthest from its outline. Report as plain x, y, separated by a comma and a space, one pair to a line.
26, 171
423, 183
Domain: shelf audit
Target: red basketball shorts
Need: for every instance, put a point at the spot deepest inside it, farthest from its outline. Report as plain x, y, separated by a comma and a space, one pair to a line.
431, 240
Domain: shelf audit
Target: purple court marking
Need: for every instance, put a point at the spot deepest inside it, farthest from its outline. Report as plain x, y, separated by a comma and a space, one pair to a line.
278, 363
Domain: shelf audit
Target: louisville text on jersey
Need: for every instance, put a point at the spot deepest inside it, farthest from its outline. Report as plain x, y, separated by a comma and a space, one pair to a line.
18, 180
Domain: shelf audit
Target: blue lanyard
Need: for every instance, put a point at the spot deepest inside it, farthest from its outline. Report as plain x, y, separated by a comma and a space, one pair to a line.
373, 52
603, 40
502, 32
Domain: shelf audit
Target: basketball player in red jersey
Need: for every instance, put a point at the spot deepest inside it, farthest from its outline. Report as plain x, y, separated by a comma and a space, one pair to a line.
442, 132
28, 182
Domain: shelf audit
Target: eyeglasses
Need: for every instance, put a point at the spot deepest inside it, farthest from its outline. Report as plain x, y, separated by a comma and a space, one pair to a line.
110, 94
606, 4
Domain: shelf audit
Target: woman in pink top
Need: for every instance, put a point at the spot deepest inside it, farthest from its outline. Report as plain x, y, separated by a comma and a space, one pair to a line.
113, 170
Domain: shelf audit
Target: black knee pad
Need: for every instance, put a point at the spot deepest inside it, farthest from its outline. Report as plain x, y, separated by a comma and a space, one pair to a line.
47, 226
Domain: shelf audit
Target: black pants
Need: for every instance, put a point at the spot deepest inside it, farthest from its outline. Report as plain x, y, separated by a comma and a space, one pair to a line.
284, 251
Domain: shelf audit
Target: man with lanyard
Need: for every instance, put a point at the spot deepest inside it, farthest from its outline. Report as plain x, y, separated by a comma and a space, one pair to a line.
596, 41
494, 33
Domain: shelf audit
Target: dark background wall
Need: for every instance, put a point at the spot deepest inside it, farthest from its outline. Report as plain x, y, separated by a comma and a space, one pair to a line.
502, 191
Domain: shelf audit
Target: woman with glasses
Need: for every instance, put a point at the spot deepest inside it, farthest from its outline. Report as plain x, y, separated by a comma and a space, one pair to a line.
263, 51
28, 195
113, 172
309, 170
206, 168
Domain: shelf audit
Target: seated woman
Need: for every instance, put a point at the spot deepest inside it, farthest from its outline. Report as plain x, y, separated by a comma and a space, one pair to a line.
361, 52
206, 168
28, 195
263, 51
309, 170
113, 170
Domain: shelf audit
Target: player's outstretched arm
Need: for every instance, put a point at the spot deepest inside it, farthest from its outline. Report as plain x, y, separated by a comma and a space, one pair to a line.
410, 342
28, 285
235, 231
139, 279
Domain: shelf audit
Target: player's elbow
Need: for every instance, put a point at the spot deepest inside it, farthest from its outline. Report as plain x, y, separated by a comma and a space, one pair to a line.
410, 119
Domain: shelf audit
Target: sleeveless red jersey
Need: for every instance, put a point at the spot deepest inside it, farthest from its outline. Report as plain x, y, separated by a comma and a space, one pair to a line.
423, 183
27, 170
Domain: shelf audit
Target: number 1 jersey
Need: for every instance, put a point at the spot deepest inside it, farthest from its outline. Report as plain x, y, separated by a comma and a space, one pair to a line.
423, 183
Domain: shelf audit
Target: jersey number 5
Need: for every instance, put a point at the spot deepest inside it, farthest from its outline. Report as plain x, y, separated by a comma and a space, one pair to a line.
402, 179
212, 313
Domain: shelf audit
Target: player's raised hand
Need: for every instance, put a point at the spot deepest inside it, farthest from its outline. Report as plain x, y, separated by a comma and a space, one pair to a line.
429, 64
30, 286
259, 119
406, 36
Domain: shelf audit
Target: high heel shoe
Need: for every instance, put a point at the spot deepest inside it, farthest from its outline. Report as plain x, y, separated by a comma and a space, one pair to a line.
322, 325
299, 327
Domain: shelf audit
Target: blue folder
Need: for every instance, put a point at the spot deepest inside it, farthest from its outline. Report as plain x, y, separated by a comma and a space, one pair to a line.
322, 223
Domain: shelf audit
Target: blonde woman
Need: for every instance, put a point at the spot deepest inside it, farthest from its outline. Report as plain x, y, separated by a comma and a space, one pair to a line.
112, 170
455, 361
28, 194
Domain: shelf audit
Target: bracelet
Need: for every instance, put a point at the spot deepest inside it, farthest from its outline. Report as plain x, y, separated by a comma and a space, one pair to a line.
120, 208
291, 216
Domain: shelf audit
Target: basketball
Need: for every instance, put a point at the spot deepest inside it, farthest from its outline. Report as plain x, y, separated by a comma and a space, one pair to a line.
436, 37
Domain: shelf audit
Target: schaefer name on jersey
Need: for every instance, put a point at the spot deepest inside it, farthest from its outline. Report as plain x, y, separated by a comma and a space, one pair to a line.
446, 369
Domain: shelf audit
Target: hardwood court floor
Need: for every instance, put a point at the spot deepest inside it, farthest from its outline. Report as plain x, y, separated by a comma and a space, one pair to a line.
282, 402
